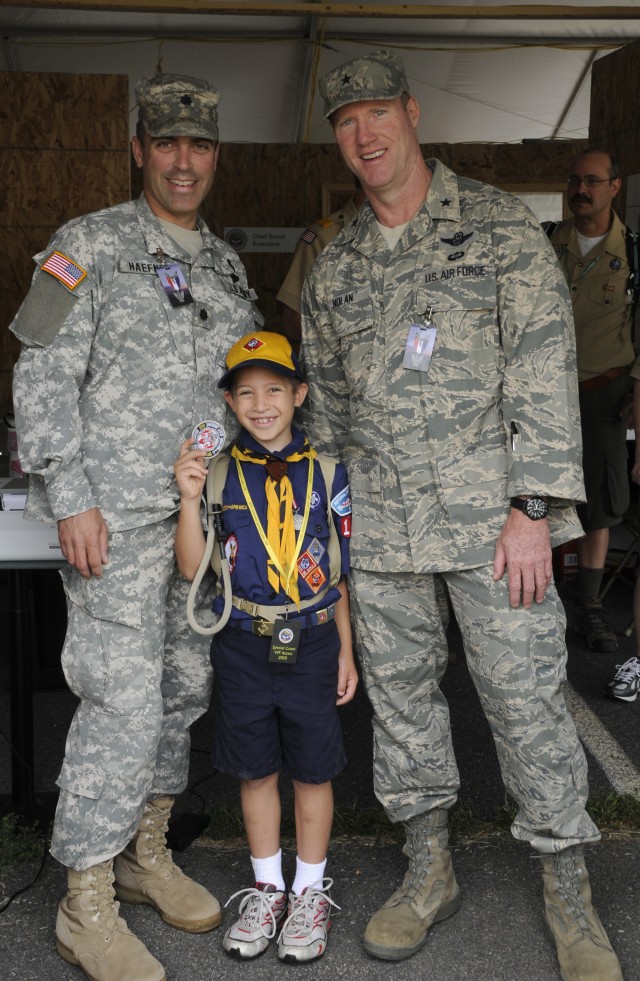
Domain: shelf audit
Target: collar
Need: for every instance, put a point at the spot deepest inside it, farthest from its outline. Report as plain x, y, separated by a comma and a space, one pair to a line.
245, 439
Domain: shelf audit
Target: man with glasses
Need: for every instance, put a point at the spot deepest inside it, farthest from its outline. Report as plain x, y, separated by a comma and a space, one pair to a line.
592, 251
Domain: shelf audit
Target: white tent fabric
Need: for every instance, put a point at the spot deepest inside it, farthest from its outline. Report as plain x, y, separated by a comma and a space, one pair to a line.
477, 80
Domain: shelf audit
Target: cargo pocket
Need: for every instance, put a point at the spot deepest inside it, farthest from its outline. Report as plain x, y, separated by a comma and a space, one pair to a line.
81, 779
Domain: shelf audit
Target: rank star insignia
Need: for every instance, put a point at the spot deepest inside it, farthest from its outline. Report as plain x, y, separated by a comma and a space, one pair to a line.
457, 239
345, 79
445, 203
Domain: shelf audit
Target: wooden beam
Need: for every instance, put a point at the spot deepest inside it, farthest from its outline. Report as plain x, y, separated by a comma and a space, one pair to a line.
307, 8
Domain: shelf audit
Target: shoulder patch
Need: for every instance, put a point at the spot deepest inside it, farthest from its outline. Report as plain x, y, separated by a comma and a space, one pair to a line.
61, 267
308, 236
341, 503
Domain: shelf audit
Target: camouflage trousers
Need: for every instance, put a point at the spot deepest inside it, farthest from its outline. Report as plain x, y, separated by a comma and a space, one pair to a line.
517, 661
142, 677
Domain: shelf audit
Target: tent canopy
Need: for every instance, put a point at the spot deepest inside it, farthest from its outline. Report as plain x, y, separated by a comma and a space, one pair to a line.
485, 73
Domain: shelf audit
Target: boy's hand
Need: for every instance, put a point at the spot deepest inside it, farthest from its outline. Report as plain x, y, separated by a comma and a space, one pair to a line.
347, 678
190, 471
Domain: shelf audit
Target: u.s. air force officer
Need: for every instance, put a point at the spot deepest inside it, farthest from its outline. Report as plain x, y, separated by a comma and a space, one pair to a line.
464, 462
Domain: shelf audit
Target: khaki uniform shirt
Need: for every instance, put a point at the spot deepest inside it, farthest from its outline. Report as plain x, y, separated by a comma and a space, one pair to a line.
310, 245
602, 308
433, 457
112, 377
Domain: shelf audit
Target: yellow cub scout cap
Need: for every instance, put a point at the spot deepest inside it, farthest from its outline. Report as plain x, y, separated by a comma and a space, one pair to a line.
263, 348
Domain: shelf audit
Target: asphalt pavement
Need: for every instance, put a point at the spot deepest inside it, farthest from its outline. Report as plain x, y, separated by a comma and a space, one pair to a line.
497, 933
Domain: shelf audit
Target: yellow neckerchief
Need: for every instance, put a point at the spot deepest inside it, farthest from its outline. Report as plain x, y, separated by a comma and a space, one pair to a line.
280, 541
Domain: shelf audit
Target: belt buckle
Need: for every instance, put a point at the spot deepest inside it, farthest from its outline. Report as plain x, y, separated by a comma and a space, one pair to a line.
262, 628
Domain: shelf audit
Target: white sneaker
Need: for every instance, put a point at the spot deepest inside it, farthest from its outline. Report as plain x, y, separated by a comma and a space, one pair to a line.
625, 682
304, 934
261, 911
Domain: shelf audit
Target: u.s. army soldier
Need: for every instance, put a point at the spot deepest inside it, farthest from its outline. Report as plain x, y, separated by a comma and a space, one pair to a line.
128, 318
439, 345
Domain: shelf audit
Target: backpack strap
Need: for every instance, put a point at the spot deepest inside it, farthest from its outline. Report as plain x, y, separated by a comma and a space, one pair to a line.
216, 476
633, 283
328, 468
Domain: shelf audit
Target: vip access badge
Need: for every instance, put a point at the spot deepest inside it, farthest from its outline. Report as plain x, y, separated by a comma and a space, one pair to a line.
420, 343
285, 641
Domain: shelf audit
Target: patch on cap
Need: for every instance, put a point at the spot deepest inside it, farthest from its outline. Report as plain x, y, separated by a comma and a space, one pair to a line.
264, 348
177, 105
379, 75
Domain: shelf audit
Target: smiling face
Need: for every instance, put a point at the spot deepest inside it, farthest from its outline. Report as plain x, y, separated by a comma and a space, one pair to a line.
264, 403
379, 142
177, 174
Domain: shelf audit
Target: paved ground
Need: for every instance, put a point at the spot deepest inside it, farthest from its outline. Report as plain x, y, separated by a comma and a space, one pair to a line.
496, 935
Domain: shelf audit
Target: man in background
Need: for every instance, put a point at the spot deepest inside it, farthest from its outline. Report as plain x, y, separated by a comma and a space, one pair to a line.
310, 244
592, 251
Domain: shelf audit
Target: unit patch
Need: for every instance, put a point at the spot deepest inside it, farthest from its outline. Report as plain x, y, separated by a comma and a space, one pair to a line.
341, 503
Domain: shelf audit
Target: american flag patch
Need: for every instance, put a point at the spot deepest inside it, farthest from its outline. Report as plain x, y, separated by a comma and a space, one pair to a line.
308, 236
64, 269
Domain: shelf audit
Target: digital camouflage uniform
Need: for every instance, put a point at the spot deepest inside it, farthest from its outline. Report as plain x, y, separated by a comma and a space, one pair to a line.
433, 458
111, 379
602, 311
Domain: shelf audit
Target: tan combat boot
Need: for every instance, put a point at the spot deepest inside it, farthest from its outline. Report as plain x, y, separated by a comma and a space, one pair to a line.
146, 873
90, 934
428, 894
572, 924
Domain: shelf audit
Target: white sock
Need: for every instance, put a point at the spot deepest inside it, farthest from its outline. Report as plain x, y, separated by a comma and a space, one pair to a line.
269, 870
308, 875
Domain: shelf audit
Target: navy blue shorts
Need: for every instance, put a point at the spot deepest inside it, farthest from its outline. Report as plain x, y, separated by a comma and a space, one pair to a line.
277, 718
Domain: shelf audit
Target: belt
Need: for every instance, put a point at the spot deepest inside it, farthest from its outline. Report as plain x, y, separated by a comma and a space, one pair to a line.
264, 628
601, 380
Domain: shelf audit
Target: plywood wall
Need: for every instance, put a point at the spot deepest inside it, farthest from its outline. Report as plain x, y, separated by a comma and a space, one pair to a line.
614, 121
281, 185
63, 152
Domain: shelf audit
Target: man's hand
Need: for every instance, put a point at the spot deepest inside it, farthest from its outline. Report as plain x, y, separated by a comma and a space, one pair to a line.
524, 550
83, 539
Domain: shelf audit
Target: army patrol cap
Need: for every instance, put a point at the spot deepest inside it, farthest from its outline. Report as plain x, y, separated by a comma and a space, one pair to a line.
379, 75
263, 348
177, 105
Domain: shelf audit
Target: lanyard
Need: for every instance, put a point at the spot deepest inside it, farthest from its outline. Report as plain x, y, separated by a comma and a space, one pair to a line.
263, 538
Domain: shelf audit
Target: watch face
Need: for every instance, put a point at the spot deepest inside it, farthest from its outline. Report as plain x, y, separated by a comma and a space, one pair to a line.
536, 508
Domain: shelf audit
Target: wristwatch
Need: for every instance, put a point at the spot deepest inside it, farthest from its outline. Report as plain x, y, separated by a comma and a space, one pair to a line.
534, 507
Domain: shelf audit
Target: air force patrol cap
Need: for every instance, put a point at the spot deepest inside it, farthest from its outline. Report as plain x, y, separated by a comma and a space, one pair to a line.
264, 348
177, 105
379, 75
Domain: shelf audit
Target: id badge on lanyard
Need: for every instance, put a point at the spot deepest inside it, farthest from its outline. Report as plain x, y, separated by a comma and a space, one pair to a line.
175, 284
420, 343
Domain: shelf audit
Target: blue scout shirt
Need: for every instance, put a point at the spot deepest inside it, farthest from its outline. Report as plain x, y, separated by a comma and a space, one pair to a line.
246, 554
